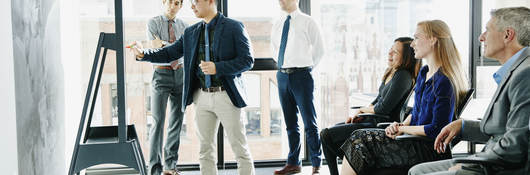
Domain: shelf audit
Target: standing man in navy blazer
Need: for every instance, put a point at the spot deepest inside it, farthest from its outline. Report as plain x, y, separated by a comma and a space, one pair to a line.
216, 51
297, 46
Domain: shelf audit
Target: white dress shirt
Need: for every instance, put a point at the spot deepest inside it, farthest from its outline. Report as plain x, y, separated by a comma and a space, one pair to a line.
304, 46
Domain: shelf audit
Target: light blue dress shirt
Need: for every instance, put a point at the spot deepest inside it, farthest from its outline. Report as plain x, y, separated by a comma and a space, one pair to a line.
500, 74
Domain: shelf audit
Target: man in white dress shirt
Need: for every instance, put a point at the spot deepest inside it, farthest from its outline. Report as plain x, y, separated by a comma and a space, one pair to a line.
297, 47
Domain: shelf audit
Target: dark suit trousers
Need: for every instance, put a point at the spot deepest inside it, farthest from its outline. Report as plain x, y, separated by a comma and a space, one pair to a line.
296, 92
166, 84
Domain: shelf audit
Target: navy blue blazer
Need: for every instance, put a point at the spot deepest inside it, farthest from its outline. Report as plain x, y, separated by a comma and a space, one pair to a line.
231, 47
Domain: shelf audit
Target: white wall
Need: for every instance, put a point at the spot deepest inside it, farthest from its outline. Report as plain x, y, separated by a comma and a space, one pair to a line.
8, 130
39, 88
71, 59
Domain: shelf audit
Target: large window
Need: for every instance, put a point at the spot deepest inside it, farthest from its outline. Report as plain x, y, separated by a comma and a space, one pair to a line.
358, 35
258, 17
251, 114
263, 118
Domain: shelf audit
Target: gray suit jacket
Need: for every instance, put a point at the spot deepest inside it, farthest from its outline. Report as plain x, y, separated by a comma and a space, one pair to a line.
505, 124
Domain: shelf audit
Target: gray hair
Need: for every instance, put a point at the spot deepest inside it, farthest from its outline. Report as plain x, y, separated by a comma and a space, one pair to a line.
517, 18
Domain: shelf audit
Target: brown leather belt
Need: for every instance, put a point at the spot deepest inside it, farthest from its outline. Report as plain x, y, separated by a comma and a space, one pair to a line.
167, 67
164, 67
213, 89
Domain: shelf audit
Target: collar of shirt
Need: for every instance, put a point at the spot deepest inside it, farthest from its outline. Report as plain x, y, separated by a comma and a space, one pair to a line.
423, 74
500, 74
164, 17
293, 14
213, 22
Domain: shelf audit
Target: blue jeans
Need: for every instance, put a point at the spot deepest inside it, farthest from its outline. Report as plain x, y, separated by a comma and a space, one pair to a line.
166, 84
296, 92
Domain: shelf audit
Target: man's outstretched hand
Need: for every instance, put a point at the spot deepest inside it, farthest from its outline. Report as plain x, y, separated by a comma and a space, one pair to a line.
137, 49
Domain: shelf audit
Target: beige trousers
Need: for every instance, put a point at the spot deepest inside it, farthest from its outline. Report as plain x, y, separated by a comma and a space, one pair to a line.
212, 108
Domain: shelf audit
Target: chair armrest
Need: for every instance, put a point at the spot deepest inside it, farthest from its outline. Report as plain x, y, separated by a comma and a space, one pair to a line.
414, 137
383, 124
355, 107
375, 116
490, 166
482, 161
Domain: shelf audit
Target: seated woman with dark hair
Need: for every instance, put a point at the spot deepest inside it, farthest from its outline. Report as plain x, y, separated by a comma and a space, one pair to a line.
396, 84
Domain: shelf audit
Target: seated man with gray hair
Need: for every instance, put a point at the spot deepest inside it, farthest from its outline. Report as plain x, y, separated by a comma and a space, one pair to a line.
504, 127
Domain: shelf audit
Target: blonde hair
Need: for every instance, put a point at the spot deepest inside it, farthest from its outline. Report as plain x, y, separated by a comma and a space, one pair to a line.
446, 55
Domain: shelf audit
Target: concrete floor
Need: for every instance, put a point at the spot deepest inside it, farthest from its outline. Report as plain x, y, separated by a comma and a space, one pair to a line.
265, 171
259, 171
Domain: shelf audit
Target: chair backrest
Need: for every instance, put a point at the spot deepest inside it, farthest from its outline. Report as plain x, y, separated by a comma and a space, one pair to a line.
405, 109
460, 108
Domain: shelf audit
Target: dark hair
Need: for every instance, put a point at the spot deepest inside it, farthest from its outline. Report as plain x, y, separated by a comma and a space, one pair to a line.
181, 1
407, 61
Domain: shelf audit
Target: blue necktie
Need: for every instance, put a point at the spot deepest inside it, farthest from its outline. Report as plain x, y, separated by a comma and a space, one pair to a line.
285, 33
207, 78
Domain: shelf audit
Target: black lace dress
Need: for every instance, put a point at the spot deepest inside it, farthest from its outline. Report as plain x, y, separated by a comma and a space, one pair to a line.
369, 149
